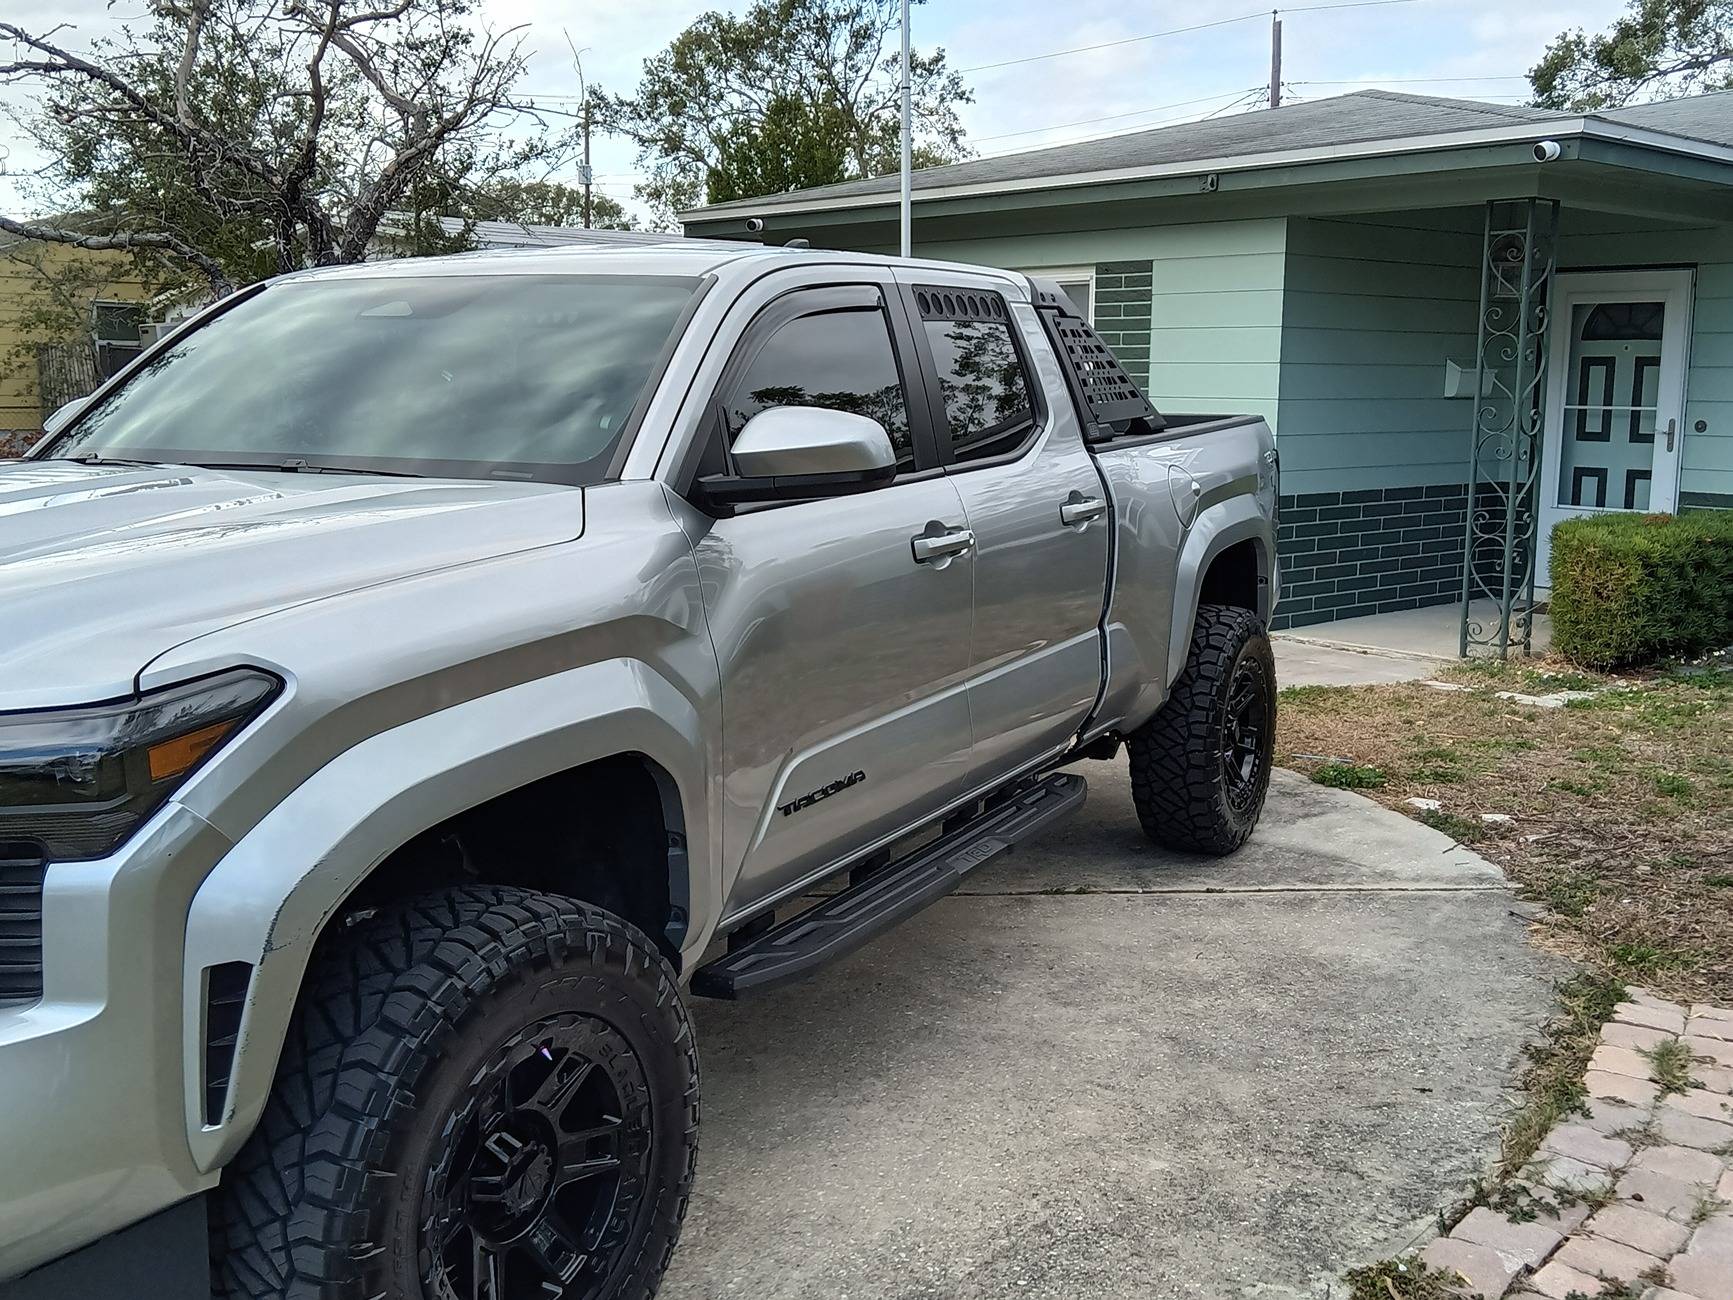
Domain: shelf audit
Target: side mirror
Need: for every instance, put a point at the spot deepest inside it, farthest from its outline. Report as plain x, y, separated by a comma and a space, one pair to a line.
796, 453
64, 415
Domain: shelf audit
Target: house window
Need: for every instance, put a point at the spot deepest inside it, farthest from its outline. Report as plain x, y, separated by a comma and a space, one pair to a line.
115, 329
1078, 282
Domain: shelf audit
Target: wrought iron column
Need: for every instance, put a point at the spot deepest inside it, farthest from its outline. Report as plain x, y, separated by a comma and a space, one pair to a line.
1498, 568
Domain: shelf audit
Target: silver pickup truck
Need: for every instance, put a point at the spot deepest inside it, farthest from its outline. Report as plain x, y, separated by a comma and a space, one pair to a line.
417, 678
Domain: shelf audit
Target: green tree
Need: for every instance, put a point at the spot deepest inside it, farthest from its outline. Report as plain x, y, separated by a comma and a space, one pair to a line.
1659, 48
789, 94
543, 203
224, 140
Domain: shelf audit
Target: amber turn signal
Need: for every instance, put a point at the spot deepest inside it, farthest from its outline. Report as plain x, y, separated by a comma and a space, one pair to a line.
172, 757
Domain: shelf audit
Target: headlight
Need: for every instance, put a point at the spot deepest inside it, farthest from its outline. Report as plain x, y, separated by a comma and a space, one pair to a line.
79, 781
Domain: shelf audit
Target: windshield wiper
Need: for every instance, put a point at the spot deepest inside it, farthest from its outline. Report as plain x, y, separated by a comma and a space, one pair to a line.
97, 458
295, 465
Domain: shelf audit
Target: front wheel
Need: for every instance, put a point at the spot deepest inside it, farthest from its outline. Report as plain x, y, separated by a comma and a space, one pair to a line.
1201, 766
486, 1093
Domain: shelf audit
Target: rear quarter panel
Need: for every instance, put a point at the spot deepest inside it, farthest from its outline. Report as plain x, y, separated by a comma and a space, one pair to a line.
1180, 499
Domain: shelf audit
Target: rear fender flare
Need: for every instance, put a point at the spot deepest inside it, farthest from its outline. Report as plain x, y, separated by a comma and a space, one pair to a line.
1219, 526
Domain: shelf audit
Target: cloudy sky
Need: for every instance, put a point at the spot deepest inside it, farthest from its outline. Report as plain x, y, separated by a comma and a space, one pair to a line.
1468, 48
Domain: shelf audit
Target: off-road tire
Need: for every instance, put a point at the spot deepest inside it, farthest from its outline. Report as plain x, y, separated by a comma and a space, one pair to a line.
397, 1020
1183, 796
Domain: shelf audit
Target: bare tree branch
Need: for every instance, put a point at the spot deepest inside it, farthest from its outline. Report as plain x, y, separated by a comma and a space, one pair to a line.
125, 242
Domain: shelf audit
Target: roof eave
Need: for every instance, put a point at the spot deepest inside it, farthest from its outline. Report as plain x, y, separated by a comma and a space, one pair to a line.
1523, 133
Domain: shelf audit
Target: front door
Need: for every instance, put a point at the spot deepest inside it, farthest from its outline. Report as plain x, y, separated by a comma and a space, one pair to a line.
843, 646
1616, 395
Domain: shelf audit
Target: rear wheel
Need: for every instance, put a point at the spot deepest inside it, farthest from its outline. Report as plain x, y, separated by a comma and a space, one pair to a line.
1200, 768
487, 1094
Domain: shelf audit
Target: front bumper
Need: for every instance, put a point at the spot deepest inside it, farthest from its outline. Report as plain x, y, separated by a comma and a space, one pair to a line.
93, 1078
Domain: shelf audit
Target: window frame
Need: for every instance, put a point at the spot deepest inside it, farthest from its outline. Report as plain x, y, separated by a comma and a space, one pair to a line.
708, 452
940, 417
96, 306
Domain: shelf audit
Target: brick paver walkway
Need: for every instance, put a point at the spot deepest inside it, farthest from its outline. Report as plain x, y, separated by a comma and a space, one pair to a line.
1637, 1193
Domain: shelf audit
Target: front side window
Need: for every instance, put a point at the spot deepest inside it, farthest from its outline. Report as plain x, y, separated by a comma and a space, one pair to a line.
986, 392
841, 360
521, 376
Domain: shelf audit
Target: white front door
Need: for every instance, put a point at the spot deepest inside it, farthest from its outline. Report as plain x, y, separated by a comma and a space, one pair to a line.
1615, 402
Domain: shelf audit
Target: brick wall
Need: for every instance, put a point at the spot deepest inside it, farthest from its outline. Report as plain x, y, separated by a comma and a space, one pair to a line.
1345, 554
1124, 294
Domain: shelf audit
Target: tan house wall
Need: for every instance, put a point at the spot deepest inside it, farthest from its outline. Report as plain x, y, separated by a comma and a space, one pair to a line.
23, 268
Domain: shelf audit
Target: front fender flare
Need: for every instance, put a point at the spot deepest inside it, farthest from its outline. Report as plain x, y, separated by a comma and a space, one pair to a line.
271, 896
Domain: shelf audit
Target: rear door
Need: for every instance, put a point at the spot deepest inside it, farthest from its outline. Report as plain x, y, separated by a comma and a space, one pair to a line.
1011, 444
844, 658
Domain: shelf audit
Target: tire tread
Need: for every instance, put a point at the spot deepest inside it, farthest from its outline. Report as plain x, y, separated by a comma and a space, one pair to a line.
298, 1214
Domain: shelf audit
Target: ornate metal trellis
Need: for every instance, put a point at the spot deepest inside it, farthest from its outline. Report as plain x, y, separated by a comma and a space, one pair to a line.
1498, 570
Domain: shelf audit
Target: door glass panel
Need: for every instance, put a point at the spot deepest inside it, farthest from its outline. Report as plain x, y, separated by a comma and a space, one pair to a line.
987, 404
841, 360
1607, 438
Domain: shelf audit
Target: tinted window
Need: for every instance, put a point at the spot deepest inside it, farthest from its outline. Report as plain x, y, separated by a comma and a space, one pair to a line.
841, 360
986, 393
527, 375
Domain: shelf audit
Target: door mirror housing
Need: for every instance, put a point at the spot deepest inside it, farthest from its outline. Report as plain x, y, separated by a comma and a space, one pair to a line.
64, 415
796, 453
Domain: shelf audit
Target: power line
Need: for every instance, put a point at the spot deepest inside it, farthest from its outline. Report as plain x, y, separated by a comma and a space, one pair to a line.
1180, 31
1404, 81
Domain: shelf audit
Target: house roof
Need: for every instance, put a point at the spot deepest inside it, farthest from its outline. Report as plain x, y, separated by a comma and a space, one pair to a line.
517, 234
1700, 117
1365, 121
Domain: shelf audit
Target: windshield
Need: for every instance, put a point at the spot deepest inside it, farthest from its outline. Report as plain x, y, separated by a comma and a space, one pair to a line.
520, 376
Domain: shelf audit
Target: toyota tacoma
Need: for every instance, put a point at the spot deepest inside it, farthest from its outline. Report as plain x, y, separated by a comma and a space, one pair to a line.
418, 679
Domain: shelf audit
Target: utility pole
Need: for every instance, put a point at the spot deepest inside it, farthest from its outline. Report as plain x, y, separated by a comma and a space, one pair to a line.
585, 174
1275, 58
588, 175
908, 145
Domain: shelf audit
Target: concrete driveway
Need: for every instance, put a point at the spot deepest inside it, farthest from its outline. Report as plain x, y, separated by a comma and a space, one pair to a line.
1106, 1070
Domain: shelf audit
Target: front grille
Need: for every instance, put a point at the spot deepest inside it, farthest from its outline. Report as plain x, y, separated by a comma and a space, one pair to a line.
21, 871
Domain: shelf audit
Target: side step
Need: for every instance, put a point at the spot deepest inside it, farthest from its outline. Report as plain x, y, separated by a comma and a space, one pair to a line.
845, 921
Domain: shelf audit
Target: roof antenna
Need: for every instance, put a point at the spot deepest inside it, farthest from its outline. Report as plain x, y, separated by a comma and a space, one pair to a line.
798, 243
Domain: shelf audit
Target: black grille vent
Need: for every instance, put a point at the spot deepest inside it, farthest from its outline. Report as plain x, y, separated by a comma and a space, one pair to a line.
225, 999
21, 871
958, 304
1113, 396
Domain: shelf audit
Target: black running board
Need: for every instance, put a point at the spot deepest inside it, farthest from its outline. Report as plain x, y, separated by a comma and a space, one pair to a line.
845, 921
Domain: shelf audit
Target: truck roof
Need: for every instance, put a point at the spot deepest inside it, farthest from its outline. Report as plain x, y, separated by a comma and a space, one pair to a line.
676, 257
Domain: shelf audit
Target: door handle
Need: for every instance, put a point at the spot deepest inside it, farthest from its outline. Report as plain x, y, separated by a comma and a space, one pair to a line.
1080, 509
938, 546
1672, 431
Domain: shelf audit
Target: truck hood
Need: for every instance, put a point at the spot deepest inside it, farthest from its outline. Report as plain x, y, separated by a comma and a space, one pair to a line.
103, 568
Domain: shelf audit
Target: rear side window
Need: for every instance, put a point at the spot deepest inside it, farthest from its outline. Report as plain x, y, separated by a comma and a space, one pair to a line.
841, 360
986, 392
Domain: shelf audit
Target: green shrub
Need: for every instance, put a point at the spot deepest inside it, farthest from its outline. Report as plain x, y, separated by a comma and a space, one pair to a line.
1629, 589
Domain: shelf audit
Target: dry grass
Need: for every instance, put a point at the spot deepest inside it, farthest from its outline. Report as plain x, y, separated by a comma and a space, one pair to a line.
1622, 804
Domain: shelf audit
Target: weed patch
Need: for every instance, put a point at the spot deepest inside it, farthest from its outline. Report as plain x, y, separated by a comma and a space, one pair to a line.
1406, 1278
1349, 776
1458, 828
1670, 1066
